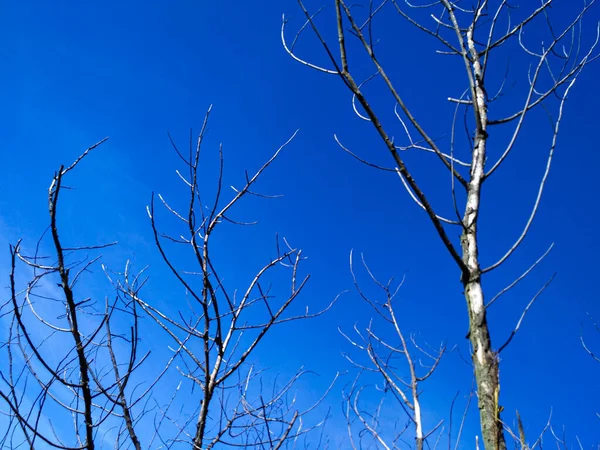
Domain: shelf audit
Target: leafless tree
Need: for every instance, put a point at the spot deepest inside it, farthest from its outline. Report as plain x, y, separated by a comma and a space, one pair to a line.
71, 358
478, 35
383, 358
85, 384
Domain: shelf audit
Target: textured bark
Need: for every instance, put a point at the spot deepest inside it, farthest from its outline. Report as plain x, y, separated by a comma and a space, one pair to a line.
485, 362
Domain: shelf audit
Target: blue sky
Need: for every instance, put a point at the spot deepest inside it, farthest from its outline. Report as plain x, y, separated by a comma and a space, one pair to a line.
74, 73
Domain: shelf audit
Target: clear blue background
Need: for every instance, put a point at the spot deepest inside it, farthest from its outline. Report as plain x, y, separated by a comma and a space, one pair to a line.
73, 73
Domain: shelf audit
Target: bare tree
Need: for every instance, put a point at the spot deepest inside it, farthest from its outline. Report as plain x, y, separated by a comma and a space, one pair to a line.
86, 383
71, 358
383, 358
474, 33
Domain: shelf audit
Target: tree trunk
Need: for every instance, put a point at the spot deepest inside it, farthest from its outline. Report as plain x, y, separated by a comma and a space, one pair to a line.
485, 362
